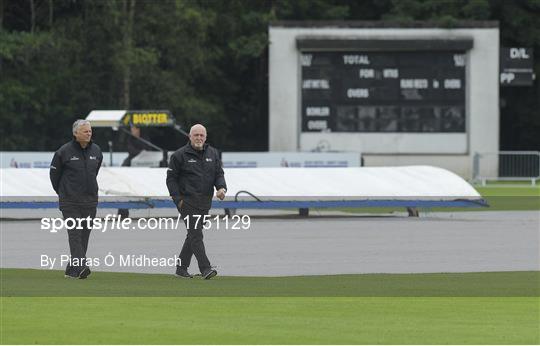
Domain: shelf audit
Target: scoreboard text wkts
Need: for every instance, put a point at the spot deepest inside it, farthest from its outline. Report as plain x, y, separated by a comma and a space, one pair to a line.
400, 93
384, 91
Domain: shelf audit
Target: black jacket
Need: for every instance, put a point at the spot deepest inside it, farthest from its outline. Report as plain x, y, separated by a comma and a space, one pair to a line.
74, 173
193, 174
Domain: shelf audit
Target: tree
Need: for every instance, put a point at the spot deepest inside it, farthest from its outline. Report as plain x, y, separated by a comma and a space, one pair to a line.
205, 60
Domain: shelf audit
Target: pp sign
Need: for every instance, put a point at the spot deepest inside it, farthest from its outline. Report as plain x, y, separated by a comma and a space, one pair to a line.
516, 66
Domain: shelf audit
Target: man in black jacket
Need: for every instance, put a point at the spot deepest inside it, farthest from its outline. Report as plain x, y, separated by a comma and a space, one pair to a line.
194, 170
73, 173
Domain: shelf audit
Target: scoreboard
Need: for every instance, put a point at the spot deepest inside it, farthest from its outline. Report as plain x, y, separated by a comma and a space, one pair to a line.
391, 92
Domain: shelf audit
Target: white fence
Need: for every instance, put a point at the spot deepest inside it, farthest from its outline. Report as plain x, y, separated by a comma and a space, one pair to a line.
507, 166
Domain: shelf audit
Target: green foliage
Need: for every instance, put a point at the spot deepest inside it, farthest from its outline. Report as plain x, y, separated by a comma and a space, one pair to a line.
30, 83
445, 12
206, 61
311, 9
477, 9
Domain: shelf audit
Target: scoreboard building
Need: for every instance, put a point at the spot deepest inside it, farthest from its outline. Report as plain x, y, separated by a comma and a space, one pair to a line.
399, 95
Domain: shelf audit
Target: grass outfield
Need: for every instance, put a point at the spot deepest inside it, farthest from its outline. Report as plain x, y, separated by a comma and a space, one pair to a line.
51, 283
270, 320
500, 197
511, 198
40, 306
505, 191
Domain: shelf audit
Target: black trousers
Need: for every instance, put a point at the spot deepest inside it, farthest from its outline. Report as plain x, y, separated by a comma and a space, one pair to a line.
78, 238
193, 245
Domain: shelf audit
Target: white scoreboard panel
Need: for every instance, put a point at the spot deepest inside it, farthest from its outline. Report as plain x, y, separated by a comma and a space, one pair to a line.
400, 94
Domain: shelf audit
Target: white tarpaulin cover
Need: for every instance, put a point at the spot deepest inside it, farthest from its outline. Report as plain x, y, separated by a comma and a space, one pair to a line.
291, 184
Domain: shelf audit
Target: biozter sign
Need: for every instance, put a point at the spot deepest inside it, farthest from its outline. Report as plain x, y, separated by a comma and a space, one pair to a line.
148, 118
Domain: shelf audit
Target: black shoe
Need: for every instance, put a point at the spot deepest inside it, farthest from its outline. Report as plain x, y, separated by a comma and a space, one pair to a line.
84, 273
71, 276
209, 273
182, 273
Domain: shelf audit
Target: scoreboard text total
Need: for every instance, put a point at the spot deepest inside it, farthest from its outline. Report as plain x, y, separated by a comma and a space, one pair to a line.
383, 91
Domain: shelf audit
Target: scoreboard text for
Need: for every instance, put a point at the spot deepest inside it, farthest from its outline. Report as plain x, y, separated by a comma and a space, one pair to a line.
383, 91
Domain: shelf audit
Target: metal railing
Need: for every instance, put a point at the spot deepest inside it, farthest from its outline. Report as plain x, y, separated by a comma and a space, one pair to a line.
506, 166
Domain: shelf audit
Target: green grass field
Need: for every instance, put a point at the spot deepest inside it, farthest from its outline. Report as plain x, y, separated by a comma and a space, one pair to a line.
42, 307
501, 197
498, 196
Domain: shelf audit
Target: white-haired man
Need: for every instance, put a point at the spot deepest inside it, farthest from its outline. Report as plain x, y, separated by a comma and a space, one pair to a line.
194, 171
73, 172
